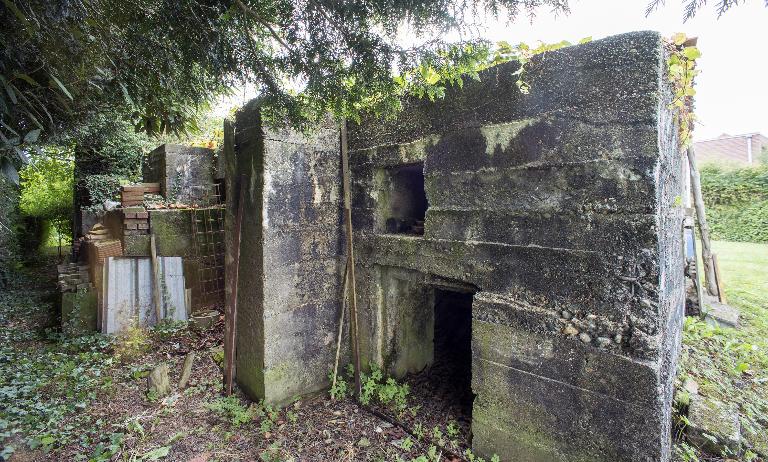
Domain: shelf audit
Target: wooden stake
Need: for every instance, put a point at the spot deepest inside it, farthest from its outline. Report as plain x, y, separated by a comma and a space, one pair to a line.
701, 217
720, 292
350, 257
232, 280
156, 278
341, 325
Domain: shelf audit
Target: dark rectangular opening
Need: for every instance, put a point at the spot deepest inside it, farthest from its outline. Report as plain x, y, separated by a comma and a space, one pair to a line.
407, 200
444, 388
453, 346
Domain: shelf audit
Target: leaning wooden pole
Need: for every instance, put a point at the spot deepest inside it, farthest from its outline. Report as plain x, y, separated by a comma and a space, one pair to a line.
231, 303
341, 326
350, 257
710, 280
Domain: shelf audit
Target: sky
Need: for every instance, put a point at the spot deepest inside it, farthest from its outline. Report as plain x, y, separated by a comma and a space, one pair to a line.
732, 89
731, 93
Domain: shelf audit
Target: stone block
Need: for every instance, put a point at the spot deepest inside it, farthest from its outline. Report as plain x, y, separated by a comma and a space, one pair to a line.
158, 381
714, 426
136, 245
289, 278
719, 314
571, 82
173, 232
569, 360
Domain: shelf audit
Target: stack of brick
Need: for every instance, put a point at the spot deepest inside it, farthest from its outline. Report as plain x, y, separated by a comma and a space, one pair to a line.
135, 221
101, 245
132, 195
74, 277
97, 233
101, 249
78, 299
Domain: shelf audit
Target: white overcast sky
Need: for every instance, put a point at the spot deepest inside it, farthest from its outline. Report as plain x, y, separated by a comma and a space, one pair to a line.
731, 89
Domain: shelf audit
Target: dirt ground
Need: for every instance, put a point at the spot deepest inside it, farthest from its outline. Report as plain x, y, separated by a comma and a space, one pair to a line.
121, 421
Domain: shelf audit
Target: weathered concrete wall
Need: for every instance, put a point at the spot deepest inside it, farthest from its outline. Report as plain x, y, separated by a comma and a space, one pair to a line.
185, 173
559, 209
289, 284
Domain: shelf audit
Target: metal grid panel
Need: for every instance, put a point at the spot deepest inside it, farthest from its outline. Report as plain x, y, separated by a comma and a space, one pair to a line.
208, 230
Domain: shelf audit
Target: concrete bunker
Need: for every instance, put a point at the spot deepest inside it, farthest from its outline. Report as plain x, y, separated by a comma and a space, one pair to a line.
557, 209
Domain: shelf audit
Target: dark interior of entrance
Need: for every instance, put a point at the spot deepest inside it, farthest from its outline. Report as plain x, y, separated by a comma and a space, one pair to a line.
446, 383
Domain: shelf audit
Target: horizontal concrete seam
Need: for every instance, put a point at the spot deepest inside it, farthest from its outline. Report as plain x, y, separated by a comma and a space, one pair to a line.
542, 211
310, 142
472, 242
437, 208
549, 166
638, 405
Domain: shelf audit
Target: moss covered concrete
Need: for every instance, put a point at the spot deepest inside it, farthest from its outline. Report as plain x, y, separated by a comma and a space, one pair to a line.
78, 312
555, 207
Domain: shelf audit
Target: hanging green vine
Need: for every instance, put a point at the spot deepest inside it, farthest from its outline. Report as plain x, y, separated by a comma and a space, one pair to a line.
452, 65
681, 69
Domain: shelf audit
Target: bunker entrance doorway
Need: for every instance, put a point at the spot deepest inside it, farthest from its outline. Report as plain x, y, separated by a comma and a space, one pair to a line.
444, 388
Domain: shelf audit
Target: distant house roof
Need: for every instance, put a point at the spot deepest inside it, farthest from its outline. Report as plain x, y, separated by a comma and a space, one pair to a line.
734, 149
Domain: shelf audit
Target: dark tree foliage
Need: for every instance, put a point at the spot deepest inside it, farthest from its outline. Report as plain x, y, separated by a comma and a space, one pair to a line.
159, 61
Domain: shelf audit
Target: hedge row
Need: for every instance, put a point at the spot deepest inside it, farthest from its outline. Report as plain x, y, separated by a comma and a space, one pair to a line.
737, 203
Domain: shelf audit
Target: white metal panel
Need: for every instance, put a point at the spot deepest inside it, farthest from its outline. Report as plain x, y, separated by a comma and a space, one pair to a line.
128, 292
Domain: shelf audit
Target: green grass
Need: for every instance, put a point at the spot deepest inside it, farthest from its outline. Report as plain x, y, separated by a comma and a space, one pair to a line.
744, 268
732, 364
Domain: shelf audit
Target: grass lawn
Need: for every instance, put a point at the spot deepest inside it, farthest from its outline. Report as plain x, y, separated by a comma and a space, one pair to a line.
732, 364
744, 268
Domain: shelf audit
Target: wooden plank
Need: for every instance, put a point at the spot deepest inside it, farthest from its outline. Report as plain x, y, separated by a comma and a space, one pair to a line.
135, 221
156, 278
351, 256
134, 196
148, 187
231, 302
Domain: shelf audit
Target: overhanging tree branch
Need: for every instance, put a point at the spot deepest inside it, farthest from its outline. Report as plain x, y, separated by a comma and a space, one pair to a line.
264, 23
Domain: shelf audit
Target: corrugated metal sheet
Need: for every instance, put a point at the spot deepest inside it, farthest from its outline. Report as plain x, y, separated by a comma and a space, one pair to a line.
128, 292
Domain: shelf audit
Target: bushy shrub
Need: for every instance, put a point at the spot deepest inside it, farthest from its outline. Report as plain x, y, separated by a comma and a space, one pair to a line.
747, 222
737, 202
734, 186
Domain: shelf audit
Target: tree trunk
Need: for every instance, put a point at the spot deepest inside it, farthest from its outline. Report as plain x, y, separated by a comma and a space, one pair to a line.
710, 281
